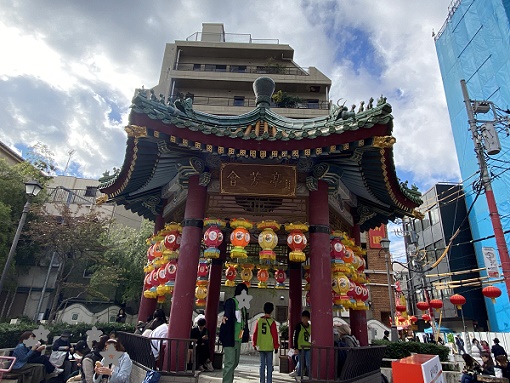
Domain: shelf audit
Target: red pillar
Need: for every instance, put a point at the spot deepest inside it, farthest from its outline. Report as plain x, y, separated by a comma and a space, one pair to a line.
320, 281
148, 305
295, 298
358, 318
184, 292
213, 296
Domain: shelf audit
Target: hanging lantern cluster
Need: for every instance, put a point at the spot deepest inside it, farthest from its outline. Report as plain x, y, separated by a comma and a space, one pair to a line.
213, 237
202, 282
297, 241
161, 267
268, 240
348, 277
240, 237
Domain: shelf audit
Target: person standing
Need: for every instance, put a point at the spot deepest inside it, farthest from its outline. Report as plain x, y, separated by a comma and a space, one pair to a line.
386, 335
234, 330
497, 349
121, 316
302, 342
485, 346
265, 340
460, 345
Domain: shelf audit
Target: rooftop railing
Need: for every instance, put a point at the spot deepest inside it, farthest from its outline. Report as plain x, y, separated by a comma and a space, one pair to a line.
257, 69
229, 38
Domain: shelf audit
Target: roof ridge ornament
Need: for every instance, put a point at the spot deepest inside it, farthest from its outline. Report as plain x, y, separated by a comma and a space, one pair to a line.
263, 87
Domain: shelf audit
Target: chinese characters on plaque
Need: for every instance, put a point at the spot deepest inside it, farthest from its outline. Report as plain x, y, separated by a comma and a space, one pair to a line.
269, 180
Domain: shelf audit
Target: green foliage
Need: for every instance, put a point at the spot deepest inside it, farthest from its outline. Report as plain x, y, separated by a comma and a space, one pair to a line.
284, 331
10, 334
284, 100
399, 350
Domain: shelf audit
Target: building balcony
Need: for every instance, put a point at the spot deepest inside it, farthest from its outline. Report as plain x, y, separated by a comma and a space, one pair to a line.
254, 69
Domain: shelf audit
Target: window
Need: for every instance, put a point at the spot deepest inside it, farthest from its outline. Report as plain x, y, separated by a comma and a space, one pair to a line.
221, 68
238, 100
313, 104
261, 69
281, 313
315, 88
210, 67
434, 216
91, 191
197, 67
238, 68
74, 317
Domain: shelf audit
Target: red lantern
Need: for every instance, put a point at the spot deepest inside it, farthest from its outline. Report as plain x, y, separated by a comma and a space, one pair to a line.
213, 237
458, 300
401, 319
297, 241
413, 319
491, 292
280, 276
171, 273
163, 277
337, 249
423, 306
147, 281
436, 304
230, 274
150, 252
172, 240
425, 317
401, 308
154, 277
203, 269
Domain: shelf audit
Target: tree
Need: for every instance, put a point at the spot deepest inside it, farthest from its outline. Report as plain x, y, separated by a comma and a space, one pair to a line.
284, 100
77, 241
125, 257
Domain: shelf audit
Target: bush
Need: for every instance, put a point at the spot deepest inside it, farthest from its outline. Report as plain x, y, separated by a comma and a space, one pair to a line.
10, 334
399, 350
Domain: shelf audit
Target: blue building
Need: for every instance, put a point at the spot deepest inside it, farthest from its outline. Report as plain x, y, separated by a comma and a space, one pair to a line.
474, 44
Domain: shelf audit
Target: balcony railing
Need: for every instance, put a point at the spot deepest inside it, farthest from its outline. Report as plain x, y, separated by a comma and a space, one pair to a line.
251, 102
229, 38
257, 69
73, 196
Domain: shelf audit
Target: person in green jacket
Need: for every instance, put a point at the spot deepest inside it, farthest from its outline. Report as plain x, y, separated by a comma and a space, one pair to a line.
265, 340
302, 343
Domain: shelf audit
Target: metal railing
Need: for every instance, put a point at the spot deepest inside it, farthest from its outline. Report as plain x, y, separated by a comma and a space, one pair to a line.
257, 69
60, 194
229, 38
250, 102
344, 364
173, 357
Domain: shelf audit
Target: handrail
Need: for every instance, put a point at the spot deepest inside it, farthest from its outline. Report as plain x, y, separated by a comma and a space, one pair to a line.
173, 354
231, 38
258, 69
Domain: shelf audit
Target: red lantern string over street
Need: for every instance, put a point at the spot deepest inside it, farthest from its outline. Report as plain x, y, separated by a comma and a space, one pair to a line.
401, 308
413, 319
213, 237
297, 241
436, 304
401, 319
458, 300
425, 317
491, 292
240, 237
423, 306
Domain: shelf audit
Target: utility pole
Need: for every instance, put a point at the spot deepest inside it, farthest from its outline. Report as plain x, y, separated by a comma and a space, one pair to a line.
486, 182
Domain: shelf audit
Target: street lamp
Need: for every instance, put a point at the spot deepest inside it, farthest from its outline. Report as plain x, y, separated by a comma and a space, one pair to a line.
385, 246
32, 188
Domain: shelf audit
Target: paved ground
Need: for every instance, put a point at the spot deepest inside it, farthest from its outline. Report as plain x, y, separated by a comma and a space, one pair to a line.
246, 372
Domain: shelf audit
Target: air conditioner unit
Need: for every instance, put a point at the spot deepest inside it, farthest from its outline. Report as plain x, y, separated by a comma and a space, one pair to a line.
481, 106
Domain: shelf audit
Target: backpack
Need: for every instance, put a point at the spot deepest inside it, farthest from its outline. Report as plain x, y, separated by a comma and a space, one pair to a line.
152, 377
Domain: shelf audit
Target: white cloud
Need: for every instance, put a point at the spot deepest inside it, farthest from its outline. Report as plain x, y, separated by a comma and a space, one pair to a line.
72, 63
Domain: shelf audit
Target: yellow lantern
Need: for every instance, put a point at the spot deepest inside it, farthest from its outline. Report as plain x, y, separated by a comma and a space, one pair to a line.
201, 292
247, 273
268, 240
340, 283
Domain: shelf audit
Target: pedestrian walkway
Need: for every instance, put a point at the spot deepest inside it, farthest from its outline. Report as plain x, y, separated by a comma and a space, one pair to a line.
246, 372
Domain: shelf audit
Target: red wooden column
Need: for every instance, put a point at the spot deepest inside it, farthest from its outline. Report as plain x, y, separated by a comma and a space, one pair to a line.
358, 318
213, 295
295, 298
148, 305
320, 281
183, 300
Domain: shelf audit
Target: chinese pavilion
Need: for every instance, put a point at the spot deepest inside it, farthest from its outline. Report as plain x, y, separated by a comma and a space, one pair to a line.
334, 172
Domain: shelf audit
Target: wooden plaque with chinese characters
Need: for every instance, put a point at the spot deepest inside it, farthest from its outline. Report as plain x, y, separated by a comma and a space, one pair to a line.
260, 180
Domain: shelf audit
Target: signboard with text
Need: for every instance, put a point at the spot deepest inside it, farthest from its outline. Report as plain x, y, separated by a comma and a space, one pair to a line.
491, 262
261, 180
375, 236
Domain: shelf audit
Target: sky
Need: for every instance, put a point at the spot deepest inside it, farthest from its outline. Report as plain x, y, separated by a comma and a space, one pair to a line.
69, 69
